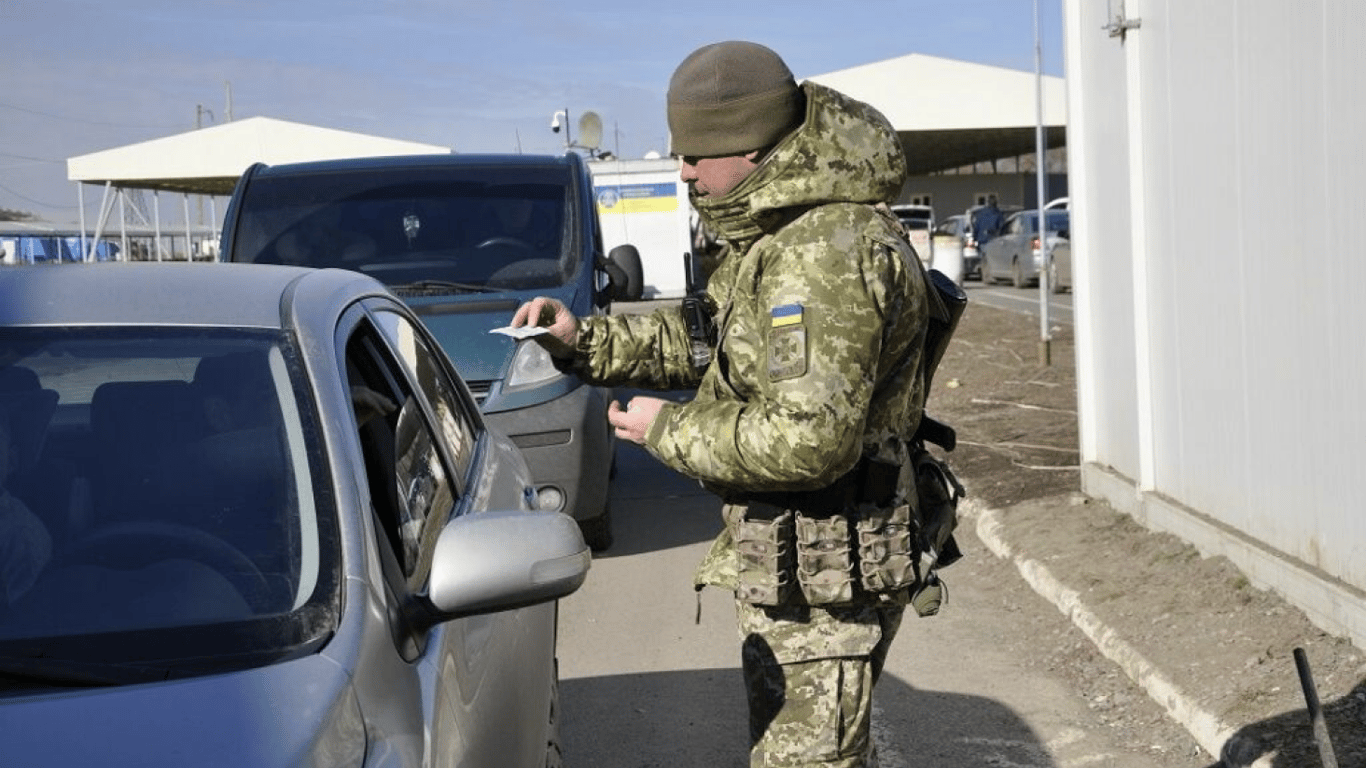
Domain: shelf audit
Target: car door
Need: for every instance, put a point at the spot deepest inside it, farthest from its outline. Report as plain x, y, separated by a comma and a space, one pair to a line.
488, 679
995, 253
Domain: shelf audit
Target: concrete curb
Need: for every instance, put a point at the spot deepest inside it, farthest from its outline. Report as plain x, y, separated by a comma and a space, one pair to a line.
1204, 726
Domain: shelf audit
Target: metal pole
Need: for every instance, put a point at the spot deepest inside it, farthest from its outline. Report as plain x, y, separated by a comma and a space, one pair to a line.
1316, 720
80, 203
156, 220
189, 244
1045, 258
124, 249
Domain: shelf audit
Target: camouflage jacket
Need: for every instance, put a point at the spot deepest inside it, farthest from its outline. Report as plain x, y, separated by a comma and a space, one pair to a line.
821, 314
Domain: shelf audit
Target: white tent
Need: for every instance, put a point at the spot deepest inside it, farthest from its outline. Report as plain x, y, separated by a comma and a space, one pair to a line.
209, 161
953, 113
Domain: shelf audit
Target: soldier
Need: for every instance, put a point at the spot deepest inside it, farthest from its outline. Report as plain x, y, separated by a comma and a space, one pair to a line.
810, 395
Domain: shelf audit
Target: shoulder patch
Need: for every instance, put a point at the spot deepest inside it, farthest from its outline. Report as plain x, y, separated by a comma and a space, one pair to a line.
786, 343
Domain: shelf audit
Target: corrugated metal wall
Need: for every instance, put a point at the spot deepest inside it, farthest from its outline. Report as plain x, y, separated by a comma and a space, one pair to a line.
1221, 358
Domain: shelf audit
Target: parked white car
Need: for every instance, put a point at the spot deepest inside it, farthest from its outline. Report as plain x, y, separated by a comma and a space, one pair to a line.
919, 223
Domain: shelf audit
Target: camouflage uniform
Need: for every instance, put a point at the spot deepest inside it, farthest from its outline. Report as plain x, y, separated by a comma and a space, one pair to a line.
821, 309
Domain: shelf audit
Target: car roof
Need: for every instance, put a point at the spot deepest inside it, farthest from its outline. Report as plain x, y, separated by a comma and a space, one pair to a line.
168, 293
420, 161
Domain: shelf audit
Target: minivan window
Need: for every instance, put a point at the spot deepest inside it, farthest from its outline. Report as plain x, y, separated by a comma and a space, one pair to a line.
419, 230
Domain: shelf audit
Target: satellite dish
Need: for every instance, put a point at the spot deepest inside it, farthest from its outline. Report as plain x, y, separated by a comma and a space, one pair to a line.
590, 130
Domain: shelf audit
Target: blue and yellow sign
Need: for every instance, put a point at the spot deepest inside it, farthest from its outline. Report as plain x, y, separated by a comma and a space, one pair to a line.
638, 198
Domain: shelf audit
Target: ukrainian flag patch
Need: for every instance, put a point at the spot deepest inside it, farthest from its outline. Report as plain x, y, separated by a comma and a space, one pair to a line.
787, 314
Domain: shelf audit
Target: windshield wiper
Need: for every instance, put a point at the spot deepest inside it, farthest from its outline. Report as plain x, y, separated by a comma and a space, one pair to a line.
15, 671
438, 287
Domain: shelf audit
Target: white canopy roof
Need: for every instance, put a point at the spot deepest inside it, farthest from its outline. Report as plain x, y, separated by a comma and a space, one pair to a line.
954, 113
210, 160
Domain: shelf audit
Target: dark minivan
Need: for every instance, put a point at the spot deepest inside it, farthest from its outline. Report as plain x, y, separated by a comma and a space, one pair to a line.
464, 240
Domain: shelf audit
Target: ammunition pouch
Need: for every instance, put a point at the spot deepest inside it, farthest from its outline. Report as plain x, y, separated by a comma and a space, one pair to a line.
855, 537
825, 568
804, 546
764, 548
886, 551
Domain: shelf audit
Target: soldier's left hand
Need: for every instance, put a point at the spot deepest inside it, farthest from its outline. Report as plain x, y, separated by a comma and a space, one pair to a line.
633, 421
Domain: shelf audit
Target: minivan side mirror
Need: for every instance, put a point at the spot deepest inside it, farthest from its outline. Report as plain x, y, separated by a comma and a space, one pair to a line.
626, 277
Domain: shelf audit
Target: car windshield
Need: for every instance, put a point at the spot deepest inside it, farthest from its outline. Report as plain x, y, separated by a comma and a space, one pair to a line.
421, 230
159, 497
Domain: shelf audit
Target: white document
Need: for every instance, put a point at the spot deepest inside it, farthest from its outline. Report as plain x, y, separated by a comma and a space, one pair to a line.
525, 332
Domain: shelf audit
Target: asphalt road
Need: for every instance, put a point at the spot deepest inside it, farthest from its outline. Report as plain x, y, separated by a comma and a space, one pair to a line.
650, 669
1023, 300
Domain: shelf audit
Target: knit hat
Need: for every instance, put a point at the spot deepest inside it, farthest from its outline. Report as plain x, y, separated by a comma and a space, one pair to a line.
729, 98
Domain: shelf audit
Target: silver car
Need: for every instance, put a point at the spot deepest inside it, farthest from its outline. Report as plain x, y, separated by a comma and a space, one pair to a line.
1016, 253
254, 518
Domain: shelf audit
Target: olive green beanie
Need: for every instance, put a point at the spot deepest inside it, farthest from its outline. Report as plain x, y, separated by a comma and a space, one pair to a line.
729, 98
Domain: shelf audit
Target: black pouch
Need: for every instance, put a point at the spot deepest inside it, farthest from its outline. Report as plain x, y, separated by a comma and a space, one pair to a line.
937, 494
825, 567
766, 559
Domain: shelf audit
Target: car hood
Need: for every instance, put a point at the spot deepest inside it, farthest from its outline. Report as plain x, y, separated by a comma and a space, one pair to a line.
294, 713
461, 326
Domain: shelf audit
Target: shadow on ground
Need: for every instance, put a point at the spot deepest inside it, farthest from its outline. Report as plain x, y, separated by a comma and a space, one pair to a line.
697, 719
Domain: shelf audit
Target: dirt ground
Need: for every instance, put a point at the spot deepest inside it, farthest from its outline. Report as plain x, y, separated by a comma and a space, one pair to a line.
1224, 643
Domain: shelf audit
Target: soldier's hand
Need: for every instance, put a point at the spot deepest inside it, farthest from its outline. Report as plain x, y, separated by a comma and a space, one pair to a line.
633, 421
553, 315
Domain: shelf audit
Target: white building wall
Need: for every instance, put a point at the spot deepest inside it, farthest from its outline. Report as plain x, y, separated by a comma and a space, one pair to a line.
1219, 381
1097, 146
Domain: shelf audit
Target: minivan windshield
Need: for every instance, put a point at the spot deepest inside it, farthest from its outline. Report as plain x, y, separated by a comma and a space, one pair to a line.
156, 485
420, 230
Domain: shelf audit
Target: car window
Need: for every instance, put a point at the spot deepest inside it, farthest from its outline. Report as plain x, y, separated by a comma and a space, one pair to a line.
454, 413
161, 479
409, 462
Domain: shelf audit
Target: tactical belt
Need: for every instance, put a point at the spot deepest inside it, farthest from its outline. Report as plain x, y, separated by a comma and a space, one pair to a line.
872, 482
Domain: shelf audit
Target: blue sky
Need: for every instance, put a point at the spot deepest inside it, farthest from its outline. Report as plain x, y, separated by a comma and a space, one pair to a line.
79, 76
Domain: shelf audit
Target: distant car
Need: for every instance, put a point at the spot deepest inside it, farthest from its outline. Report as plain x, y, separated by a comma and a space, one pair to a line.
280, 532
1015, 253
953, 240
465, 239
1060, 265
918, 220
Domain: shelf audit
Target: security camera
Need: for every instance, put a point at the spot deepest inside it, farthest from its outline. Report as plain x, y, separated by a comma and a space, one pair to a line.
555, 123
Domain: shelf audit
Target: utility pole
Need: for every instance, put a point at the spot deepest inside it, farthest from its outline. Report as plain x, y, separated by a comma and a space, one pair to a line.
200, 109
1041, 169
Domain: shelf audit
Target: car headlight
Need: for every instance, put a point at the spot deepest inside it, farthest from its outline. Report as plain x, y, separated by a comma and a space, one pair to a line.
531, 367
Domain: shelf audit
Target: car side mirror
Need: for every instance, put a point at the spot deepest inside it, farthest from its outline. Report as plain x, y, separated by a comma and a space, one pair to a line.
495, 561
626, 278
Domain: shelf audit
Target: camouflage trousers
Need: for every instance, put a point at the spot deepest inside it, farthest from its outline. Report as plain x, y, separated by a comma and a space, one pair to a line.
809, 677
